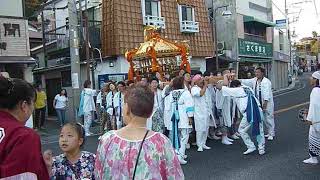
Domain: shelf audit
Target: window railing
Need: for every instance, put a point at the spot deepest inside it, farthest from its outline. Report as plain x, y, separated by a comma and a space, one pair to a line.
154, 21
254, 37
189, 27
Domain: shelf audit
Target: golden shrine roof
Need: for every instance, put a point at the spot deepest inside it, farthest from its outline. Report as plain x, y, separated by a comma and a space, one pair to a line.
162, 47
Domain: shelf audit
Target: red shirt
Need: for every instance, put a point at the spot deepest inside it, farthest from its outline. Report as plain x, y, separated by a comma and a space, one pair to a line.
20, 149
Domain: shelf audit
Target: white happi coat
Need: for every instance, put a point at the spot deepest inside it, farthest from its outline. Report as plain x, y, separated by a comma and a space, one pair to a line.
158, 103
88, 102
167, 106
265, 87
185, 109
200, 109
110, 103
118, 101
223, 103
211, 98
314, 116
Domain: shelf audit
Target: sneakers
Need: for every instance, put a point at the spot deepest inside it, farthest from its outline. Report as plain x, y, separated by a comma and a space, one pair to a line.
270, 138
206, 147
188, 146
311, 160
250, 150
226, 142
262, 152
235, 137
231, 140
181, 160
200, 149
89, 134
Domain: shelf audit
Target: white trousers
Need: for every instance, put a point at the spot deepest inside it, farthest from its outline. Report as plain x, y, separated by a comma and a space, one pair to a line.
119, 122
87, 121
269, 122
201, 137
244, 127
184, 138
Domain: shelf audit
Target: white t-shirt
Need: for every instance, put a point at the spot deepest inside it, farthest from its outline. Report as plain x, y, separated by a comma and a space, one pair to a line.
61, 101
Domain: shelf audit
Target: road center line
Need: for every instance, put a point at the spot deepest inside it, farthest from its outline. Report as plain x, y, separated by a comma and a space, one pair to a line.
291, 107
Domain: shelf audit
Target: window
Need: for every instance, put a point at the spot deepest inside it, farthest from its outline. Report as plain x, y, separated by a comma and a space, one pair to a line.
151, 13
152, 7
187, 13
281, 41
187, 19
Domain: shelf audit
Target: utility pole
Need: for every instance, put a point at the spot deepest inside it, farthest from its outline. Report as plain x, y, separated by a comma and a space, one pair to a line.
289, 35
43, 39
74, 54
87, 41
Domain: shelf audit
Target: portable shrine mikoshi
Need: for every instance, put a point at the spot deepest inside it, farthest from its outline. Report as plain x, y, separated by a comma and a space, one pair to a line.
157, 54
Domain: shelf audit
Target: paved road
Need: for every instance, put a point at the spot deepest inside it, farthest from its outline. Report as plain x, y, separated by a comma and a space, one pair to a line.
283, 158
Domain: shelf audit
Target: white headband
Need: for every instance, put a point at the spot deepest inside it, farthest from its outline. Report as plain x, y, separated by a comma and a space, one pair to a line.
316, 75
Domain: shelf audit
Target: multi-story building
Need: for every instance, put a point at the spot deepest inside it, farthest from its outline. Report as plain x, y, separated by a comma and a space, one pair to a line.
178, 20
246, 36
54, 57
14, 41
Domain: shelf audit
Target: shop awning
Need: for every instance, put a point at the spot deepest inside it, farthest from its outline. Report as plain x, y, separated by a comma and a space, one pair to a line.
255, 60
251, 19
17, 60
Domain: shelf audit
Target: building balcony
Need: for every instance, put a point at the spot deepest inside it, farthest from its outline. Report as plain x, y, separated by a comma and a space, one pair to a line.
189, 27
154, 21
254, 37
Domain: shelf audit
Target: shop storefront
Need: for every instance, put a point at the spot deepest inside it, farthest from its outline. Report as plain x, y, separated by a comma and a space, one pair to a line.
254, 54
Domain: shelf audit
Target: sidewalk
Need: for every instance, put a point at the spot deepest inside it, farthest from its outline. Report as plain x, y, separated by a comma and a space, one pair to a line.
294, 85
52, 130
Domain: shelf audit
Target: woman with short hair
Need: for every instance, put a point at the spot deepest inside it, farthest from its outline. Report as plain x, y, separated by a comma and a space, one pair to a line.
133, 152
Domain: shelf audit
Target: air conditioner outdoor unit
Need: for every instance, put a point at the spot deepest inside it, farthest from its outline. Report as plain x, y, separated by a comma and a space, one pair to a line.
220, 45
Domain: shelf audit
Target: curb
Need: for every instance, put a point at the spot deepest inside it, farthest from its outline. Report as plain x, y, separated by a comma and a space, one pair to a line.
290, 87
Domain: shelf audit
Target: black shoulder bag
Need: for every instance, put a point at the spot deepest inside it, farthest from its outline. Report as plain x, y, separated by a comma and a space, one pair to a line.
135, 167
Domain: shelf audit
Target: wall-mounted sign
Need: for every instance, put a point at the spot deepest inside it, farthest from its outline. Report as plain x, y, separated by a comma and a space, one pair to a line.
11, 29
14, 39
255, 49
281, 24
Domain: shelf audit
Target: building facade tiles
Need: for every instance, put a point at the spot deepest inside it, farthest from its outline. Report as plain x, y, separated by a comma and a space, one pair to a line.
123, 26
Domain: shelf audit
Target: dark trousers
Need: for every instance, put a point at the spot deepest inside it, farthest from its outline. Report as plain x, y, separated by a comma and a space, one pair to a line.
40, 115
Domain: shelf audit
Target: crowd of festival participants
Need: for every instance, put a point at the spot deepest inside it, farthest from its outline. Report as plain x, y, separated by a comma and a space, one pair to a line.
147, 125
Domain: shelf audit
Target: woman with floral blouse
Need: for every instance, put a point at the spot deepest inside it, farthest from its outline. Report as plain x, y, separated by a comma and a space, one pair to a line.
133, 152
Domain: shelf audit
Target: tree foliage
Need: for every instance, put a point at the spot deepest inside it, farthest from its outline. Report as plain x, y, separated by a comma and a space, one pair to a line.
315, 44
31, 6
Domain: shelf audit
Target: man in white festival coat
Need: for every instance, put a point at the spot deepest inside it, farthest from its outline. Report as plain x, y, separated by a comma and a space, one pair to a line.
262, 89
241, 95
201, 113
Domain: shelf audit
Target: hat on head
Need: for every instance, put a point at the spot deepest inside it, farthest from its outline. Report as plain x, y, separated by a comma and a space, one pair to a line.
316, 75
196, 77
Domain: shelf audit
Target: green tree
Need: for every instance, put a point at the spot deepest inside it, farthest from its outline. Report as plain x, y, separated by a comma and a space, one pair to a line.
31, 6
314, 34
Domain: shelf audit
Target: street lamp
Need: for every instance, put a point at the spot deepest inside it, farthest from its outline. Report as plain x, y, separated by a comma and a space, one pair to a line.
225, 13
